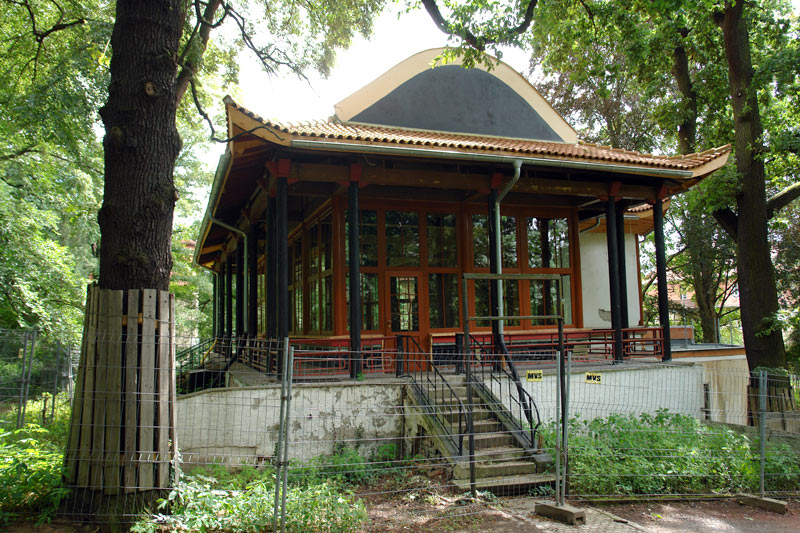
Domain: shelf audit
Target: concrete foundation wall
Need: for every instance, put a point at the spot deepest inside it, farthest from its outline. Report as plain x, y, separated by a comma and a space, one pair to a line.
240, 425
620, 391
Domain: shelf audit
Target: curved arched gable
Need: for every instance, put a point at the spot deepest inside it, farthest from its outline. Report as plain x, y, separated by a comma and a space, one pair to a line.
451, 98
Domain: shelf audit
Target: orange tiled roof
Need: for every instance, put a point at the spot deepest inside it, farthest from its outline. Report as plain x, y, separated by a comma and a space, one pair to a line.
334, 129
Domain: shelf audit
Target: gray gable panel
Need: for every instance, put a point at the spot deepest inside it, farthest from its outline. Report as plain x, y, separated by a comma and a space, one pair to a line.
452, 98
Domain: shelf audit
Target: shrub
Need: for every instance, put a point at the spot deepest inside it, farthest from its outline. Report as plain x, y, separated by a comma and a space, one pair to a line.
30, 474
668, 453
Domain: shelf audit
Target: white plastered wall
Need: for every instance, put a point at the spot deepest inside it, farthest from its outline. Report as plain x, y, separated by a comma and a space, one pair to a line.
594, 280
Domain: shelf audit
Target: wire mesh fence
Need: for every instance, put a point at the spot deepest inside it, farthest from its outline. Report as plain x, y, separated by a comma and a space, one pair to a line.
264, 434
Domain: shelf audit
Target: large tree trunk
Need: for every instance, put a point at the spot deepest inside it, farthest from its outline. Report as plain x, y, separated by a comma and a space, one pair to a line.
118, 458
757, 289
141, 145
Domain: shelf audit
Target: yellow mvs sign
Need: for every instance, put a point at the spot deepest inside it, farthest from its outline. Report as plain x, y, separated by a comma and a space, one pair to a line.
534, 375
593, 377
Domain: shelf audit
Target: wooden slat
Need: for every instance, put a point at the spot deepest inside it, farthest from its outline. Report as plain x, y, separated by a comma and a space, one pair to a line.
173, 426
113, 423
162, 411
84, 455
100, 393
131, 391
147, 390
73, 440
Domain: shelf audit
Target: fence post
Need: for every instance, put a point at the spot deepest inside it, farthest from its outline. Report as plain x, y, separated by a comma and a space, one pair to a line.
762, 415
287, 426
282, 426
558, 431
24, 353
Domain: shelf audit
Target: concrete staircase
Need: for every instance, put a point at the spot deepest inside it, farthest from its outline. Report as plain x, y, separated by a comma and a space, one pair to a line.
503, 464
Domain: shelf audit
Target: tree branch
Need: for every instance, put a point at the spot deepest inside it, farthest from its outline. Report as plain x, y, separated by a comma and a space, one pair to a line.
478, 43
782, 199
192, 63
18, 153
728, 220
650, 281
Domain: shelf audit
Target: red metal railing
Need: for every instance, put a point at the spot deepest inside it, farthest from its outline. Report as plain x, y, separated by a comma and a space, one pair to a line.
331, 357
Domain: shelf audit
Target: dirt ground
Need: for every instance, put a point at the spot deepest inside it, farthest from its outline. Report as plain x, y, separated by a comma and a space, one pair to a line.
706, 516
423, 505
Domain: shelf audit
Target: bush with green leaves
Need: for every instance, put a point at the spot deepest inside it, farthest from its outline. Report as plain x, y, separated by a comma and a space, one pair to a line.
243, 501
669, 453
30, 474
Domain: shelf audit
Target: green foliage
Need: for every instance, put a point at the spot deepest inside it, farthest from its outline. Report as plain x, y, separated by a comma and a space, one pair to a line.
669, 453
214, 499
30, 473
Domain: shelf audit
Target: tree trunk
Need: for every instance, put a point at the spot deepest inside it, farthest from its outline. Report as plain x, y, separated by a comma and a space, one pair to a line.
757, 289
141, 145
687, 129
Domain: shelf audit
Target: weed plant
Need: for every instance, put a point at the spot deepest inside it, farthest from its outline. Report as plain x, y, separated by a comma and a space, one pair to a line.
668, 453
31, 461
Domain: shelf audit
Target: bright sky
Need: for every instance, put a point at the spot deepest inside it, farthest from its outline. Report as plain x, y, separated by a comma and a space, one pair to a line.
394, 39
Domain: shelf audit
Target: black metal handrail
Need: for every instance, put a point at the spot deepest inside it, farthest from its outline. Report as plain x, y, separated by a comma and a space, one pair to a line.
522, 400
440, 386
190, 358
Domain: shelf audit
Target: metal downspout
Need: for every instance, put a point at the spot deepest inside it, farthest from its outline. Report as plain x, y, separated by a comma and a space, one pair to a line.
244, 236
498, 251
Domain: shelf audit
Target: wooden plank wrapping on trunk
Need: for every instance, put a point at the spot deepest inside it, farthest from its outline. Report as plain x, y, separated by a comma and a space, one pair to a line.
131, 392
84, 455
100, 393
71, 457
113, 421
163, 375
147, 391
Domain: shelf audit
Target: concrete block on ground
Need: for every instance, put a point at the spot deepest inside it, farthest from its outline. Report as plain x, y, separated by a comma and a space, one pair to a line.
564, 513
768, 504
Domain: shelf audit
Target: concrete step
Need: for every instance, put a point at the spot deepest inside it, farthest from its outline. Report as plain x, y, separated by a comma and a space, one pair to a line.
451, 415
491, 440
495, 469
499, 454
507, 485
488, 425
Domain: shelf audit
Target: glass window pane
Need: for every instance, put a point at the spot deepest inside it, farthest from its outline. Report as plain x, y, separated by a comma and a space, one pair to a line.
510, 301
545, 298
327, 304
313, 302
368, 237
404, 306
325, 243
313, 250
480, 241
369, 301
402, 239
442, 243
508, 234
548, 242
443, 298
